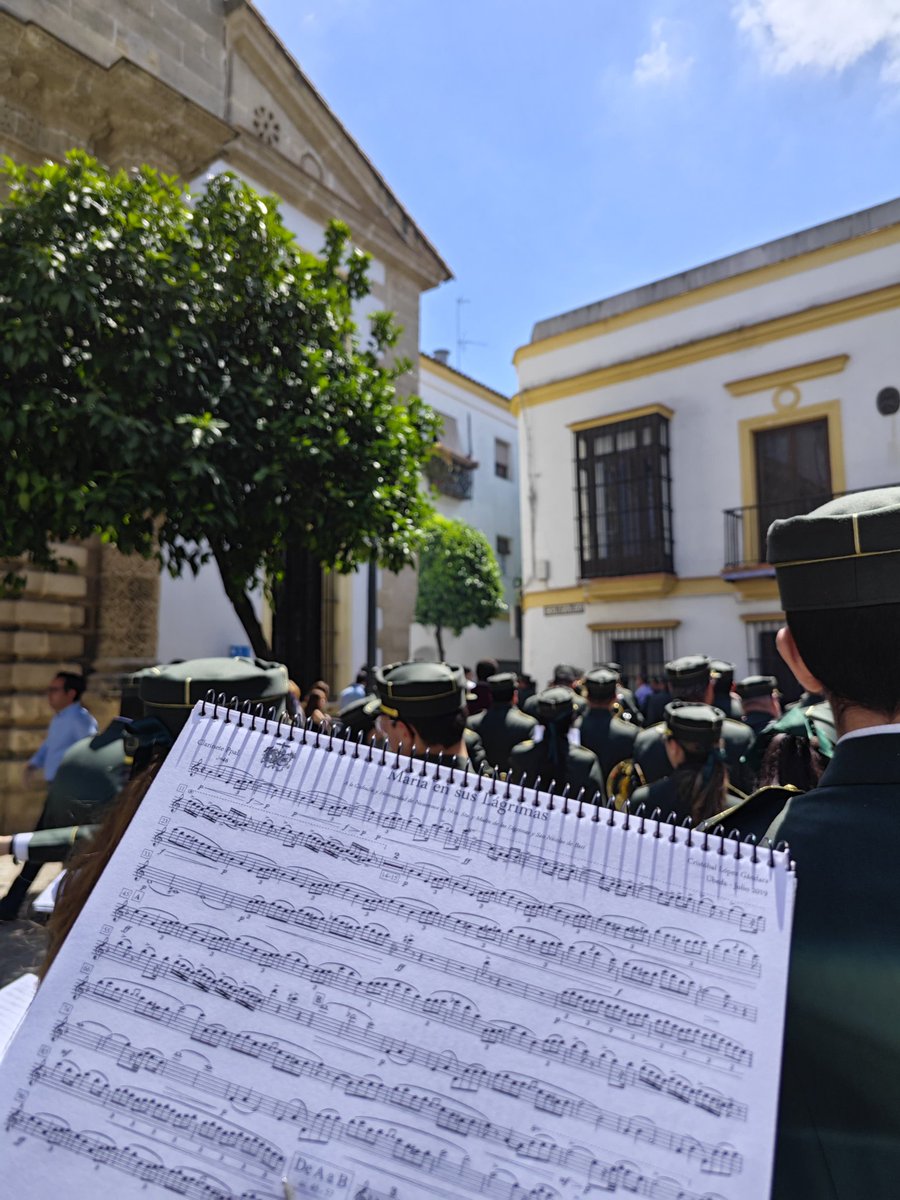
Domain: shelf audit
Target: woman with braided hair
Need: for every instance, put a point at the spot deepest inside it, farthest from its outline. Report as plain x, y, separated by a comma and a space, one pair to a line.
699, 785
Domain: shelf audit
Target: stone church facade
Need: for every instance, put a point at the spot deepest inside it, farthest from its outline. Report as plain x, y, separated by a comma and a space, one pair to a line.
186, 86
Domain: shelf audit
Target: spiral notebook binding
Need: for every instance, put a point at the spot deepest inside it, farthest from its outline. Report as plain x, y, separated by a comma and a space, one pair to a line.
218, 706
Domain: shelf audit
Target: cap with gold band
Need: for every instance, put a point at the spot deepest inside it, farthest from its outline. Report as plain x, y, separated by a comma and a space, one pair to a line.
601, 683
503, 686
691, 669
407, 690
554, 704
754, 686
697, 725
844, 554
723, 672
169, 691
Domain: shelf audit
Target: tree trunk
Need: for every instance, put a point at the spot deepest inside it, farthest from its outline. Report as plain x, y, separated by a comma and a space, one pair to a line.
439, 638
243, 607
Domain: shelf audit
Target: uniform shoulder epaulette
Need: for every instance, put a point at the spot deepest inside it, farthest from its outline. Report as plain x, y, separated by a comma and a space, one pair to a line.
752, 814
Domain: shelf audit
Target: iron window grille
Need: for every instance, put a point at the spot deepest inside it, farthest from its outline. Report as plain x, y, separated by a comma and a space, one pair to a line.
624, 497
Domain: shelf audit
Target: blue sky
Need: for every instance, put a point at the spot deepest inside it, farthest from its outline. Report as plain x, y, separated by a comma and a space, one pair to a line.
557, 154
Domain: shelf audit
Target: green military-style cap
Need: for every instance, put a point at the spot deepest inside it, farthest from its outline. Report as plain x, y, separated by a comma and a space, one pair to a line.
697, 725
724, 672
502, 686
601, 683
357, 716
692, 668
553, 704
756, 685
169, 691
407, 690
845, 554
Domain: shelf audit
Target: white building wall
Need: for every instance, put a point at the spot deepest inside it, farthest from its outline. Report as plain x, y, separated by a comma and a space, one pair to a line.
493, 507
196, 619
705, 453
640, 331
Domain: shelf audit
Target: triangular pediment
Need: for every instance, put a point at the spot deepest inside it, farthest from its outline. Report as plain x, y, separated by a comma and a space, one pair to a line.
280, 115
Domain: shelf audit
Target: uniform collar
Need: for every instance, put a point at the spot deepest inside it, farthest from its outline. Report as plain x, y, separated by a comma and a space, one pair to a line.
870, 759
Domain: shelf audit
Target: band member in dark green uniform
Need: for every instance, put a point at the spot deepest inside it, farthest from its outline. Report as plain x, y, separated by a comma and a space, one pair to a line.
762, 704
838, 571
553, 761
690, 678
723, 697
503, 725
602, 728
630, 709
698, 784
420, 710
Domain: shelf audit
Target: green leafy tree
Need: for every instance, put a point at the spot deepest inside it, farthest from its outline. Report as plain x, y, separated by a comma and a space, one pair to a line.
459, 579
178, 376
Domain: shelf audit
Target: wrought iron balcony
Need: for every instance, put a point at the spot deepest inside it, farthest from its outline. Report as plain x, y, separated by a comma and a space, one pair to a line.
746, 529
451, 473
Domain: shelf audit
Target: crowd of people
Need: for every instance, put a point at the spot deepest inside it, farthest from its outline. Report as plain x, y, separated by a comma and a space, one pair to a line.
716, 744
697, 747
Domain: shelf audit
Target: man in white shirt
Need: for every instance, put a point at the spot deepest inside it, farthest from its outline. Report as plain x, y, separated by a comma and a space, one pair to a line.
71, 722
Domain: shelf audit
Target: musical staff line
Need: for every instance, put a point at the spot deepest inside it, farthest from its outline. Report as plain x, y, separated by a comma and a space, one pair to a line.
328, 1125
470, 1076
225, 1138
134, 999
444, 1008
729, 956
447, 837
638, 973
102, 1150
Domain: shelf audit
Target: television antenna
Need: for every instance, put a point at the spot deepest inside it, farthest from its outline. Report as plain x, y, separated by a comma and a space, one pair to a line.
462, 342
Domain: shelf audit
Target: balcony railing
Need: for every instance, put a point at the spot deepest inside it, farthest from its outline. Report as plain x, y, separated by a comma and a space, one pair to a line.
451, 473
746, 529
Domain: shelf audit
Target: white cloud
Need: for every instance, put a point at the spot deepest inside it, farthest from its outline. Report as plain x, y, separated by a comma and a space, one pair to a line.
828, 35
660, 64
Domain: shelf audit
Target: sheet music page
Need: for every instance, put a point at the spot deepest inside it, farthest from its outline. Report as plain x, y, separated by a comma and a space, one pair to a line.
305, 974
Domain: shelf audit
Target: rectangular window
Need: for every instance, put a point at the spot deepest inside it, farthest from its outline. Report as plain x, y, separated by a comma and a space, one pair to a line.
502, 459
624, 502
504, 550
641, 652
793, 472
449, 435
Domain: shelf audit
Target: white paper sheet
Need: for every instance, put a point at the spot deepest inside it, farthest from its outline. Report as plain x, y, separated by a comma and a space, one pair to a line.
372, 982
15, 998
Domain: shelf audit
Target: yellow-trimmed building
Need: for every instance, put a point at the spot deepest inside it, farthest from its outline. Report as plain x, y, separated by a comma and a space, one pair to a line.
663, 429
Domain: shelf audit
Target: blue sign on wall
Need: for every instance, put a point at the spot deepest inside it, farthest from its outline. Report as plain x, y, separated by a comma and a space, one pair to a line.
240, 652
